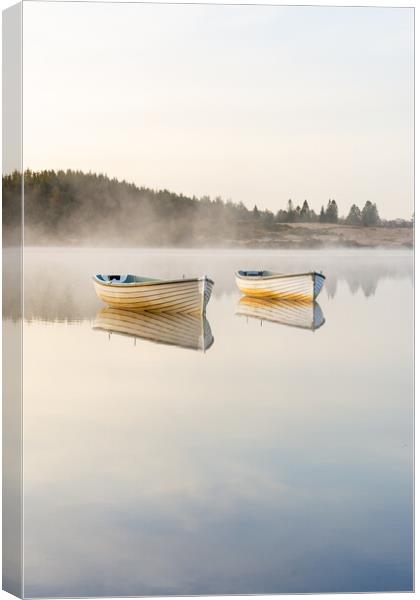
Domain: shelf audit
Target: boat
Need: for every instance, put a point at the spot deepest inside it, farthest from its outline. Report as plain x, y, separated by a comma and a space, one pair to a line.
174, 329
294, 313
143, 293
266, 284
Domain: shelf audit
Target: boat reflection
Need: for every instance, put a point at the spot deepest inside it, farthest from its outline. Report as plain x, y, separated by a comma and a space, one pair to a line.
295, 313
173, 329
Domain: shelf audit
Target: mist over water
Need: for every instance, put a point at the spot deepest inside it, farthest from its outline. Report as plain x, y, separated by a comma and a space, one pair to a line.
58, 280
276, 459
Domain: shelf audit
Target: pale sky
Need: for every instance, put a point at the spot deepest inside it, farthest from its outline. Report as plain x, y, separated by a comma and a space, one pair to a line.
254, 103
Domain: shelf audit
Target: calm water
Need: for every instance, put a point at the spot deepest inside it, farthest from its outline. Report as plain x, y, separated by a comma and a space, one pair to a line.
278, 460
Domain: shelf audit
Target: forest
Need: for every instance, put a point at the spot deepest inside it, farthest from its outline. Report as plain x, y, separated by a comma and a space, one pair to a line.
72, 207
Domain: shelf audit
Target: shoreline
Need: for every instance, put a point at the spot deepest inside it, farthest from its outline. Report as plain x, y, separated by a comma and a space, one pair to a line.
291, 236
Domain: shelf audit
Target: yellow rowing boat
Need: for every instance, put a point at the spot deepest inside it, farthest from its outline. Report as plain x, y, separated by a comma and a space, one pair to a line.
266, 284
143, 293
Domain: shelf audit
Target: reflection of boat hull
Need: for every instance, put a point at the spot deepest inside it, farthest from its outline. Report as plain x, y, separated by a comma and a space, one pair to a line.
176, 329
184, 295
306, 315
266, 284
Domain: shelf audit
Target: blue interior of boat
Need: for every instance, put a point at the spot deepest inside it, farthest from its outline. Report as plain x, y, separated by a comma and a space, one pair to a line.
122, 278
252, 273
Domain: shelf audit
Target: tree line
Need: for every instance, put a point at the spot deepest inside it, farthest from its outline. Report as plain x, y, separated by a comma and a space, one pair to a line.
367, 217
69, 205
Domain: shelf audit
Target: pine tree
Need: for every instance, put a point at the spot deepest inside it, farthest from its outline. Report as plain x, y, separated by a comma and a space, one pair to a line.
331, 214
305, 212
355, 216
281, 216
370, 215
291, 213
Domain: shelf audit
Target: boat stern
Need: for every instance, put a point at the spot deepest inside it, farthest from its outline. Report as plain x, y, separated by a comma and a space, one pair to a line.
319, 280
207, 290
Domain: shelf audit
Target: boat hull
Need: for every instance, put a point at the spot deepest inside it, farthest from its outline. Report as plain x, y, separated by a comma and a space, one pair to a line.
293, 313
185, 295
302, 287
173, 329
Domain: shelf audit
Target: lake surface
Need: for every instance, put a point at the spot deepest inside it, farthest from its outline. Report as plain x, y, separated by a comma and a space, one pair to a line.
277, 460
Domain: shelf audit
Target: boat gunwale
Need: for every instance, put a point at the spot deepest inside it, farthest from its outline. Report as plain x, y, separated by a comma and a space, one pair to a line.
141, 284
276, 276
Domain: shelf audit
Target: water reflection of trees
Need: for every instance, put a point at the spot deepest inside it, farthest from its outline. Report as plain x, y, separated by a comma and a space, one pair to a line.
58, 284
365, 280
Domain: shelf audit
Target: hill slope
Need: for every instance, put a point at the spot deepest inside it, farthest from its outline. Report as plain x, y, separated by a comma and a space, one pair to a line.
75, 208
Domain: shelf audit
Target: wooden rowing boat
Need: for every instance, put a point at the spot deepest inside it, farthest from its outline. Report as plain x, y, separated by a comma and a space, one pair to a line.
174, 329
266, 284
142, 293
294, 313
